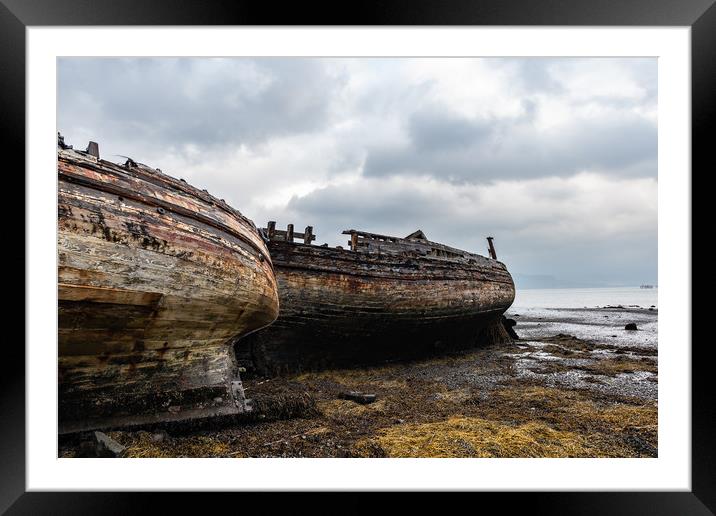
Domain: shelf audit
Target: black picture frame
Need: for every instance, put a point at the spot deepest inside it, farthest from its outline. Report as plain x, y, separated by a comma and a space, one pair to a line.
17, 15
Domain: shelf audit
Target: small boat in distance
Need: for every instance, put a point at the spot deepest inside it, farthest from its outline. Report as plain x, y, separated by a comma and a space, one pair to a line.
383, 298
646, 286
155, 278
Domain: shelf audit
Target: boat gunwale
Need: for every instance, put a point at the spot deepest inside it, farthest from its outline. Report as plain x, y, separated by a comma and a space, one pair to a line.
195, 229
396, 261
367, 274
153, 201
154, 176
368, 236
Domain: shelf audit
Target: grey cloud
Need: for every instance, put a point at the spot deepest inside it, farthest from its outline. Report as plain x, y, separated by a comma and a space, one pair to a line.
195, 101
532, 75
442, 143
464, 150
435, 131
250, 130
625, 257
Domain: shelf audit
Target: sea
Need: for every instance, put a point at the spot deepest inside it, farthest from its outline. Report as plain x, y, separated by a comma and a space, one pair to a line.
545, 312
585, 297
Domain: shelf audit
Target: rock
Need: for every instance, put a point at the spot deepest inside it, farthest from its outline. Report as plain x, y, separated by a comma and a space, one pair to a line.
87, 449
108, 447
358, 397
160, 436
642, 446
631, 326
509, 325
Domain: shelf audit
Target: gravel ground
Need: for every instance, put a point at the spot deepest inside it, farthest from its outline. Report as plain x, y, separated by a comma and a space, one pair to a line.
576, 384
605, 328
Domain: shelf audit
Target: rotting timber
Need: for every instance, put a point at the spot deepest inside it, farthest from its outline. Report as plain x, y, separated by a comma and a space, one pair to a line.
384, 298
155, 280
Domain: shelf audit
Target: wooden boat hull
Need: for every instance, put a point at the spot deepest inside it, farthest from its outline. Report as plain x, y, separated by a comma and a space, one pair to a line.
155, 278
341, 309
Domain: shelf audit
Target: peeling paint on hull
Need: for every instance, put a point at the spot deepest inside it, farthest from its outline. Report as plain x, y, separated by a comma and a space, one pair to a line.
341, 308
155, 278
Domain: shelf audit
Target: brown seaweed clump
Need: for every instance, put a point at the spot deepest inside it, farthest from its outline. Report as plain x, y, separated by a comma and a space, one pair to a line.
481, 403
476, 437
529, 421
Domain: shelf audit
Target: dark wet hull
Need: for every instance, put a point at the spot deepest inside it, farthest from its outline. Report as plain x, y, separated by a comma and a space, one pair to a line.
342, 309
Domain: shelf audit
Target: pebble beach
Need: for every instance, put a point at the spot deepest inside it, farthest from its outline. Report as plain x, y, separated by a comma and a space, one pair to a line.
575, 384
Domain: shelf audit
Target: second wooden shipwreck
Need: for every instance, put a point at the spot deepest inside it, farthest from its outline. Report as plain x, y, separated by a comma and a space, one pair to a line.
383, 298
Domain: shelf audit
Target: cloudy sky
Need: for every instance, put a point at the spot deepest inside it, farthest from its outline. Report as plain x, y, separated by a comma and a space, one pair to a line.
555, 158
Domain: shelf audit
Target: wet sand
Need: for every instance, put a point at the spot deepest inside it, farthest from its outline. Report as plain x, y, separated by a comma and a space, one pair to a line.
576, 384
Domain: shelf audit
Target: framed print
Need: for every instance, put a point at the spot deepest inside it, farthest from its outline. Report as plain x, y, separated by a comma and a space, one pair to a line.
417, 248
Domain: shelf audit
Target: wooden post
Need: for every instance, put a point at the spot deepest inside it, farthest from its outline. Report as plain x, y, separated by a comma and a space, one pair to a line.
289, 233
271, 229
493, 254
354, 241
93, 149
308, 235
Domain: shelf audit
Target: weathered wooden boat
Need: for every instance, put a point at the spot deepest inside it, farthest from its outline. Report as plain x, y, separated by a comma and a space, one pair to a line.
383, 298
155, 279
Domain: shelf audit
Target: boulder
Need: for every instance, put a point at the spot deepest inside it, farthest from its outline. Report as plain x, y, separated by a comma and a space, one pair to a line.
159, 436
100, 444
509, 325
87, 449
631, 326
358, 397
108, 447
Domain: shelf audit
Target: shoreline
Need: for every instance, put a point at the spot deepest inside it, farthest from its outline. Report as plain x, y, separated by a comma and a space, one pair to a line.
576, 384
